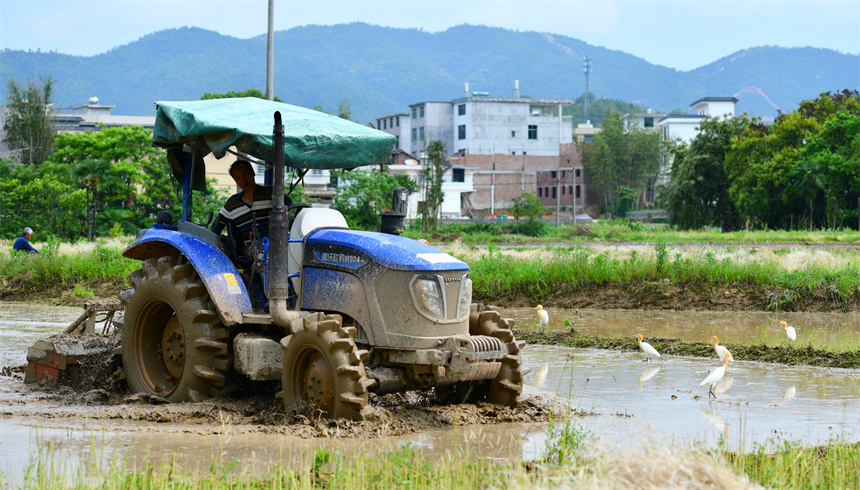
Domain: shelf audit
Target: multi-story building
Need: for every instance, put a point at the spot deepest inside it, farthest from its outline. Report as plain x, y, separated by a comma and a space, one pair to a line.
685, 127
483, 125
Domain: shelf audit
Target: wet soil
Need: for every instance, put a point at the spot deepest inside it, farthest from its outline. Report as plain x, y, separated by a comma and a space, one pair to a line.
793, 356
645, 295
254, 411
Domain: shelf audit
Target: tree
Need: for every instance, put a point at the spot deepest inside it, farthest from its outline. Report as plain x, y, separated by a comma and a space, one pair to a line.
251, 92
530, 206
434, 169
343, 110
620, 156
697, 192
363, 194
766, 164
27, 125
91, 173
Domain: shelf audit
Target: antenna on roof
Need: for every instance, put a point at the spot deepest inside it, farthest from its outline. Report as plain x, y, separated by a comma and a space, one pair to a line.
466, 89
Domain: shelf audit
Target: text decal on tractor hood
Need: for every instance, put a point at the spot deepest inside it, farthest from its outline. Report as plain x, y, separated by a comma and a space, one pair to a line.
342, 260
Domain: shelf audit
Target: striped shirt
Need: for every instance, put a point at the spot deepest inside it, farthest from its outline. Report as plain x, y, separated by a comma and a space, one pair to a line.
245, 217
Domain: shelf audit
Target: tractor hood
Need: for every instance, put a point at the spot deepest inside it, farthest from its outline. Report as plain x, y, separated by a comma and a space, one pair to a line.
351, 249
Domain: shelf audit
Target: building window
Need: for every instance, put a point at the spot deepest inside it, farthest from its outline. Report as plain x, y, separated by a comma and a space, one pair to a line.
649, 122
540, 191
414, 113
461, 132
398, 121
385, 124
462, 152
461, 110
397, 142
553, 192
562, 190
570, 190
421, 113
379, 124
532, 131
513, 134
524, 152
316, 171
577, 192
421, 133
589, 137
562, 174
513, 153
458, 175
577, 172
414, 134
553, 174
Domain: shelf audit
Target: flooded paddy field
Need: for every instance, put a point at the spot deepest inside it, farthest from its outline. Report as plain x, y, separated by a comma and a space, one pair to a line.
616, 397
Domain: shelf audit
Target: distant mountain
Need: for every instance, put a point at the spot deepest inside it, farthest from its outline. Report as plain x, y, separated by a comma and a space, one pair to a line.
381, 70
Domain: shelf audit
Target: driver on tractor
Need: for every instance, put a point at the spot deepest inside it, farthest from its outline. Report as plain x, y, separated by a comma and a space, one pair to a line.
246, 217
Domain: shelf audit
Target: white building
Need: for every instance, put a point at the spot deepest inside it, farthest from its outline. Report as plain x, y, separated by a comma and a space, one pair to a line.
457, 185
685, 127
481, 125
397, 125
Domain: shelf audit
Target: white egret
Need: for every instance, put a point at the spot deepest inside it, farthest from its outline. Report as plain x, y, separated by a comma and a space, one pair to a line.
789, 331
719, 349
543, 315
646, 348
716, 375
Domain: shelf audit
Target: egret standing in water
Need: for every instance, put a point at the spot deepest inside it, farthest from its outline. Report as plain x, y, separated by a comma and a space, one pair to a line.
716, 375
646, 348
719, 349
789, 331
543, 315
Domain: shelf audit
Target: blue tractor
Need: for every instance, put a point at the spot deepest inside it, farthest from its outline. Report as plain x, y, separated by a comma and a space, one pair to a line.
350, 312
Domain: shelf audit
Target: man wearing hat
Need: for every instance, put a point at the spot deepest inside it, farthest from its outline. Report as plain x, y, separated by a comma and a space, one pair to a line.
22, 243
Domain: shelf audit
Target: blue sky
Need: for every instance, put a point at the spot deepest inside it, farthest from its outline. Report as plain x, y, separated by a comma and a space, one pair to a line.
681, 34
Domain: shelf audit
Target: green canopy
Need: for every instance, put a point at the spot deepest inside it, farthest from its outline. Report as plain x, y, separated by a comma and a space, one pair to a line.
312, 139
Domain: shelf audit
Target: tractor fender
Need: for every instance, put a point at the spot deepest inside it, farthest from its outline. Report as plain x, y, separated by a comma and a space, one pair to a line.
218, 274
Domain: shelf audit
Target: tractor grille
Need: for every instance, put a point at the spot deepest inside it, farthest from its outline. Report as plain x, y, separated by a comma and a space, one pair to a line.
482, 347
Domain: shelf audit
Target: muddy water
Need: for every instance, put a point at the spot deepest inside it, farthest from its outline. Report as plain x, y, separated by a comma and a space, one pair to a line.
625, 399
834, 331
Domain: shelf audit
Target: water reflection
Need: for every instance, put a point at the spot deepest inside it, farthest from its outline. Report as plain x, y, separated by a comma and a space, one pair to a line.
647, 374
835, 331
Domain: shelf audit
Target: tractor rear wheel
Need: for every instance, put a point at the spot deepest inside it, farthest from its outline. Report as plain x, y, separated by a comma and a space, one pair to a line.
324, 371
173, 343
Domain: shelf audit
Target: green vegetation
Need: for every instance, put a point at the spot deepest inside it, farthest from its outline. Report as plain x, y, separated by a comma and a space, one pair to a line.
363, 194
620, 163
800, 172
87, 269
569, 461
27, 128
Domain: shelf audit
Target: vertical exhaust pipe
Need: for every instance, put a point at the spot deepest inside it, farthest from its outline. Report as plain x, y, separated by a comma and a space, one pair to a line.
278, 281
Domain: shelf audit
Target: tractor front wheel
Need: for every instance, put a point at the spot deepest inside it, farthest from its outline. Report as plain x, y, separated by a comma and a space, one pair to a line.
324, 371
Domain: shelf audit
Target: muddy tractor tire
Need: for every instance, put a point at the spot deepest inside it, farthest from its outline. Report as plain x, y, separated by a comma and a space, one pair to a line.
506, 388
173, 342
324, 372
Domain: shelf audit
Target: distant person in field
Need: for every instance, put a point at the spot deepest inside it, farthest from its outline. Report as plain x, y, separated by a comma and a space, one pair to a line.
22, 243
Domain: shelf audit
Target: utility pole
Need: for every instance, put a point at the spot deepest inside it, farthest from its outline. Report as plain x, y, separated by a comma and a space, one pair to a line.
586, 68
523, 175
557, 194
270, 54
493, 187
573, 194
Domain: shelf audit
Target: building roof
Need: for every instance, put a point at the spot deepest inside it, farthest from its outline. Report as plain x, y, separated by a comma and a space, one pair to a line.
682, 116
715, 99
512, 100
393, 115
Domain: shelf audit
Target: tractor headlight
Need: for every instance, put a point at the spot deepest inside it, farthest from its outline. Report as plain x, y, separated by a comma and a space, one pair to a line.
464, 301
427, 295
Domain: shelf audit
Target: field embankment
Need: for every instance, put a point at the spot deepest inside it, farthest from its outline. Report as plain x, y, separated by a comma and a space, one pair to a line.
595, 275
